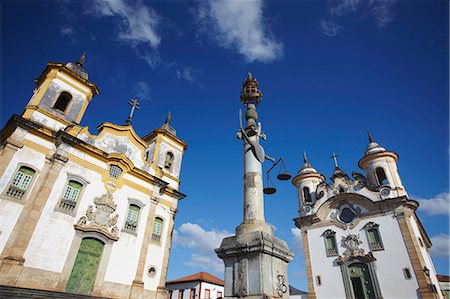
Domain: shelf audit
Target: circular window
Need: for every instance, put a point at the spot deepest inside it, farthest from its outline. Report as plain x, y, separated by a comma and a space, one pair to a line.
151, 271
347, 215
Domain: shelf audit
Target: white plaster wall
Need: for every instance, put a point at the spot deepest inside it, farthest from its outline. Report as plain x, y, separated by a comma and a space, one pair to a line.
110, 143
185, 287
69, 87
125, 252
164, 148
155, 253
54, 232
388, 265
213, 288
425, 255
10, 211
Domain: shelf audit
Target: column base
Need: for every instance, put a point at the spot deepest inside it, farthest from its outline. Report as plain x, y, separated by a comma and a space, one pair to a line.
10, 269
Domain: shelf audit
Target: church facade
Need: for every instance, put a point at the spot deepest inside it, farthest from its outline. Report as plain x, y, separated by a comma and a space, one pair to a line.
84, 213
361, 235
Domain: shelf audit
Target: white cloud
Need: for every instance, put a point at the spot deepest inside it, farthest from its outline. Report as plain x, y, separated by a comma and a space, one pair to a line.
438, 205
142, 91
383, 11
189, 74
340, 10
203, 242
137, 24
344, 7
441, 246
329, 27
239, 25
298, 241
65, 30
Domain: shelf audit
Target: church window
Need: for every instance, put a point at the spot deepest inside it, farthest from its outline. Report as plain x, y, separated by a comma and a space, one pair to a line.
207, 293
318, 280
219, 294
152, 271
407, 273
420, 242
115, 171
21, 182
306, 195
71, 195
330, 242
373, 236
347, 215
169, 161
157, 229
132, 218
381, 176
63, 101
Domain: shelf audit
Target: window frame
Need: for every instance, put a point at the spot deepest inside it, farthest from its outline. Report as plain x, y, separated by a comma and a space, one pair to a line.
330, 235
140, 205
30, 186
380, 183
209, 294
373, 246
76, 178
307, 198
161, 231
172, 161
110, 168
69, 103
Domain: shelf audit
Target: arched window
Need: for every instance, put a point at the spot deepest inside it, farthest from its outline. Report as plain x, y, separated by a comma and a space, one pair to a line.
381, 176
63, 101
306, 195
132, 218
70, 196
157, 229
373, 236
169, 161
21, 182
330, 242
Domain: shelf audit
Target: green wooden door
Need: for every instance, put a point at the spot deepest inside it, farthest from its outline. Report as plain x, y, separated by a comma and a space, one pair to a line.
361, 282
85, 268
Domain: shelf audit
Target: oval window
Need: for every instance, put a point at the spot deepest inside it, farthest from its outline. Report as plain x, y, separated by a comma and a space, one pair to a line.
347, 215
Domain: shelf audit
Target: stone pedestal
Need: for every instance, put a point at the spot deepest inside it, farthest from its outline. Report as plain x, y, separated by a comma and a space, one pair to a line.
255, 265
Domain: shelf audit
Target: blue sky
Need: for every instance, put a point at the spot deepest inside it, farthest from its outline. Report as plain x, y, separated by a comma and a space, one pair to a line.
328, 71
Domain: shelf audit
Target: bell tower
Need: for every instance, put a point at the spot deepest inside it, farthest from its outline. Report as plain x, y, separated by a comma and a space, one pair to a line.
62, 95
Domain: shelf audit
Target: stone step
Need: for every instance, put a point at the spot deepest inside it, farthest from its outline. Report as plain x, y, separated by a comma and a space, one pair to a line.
24, 293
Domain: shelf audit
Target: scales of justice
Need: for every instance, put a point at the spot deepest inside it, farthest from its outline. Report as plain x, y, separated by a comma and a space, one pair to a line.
255, 260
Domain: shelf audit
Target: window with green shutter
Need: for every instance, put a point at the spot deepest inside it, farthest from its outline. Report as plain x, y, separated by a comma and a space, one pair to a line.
132, 218
70, 195
330, 242
373, 236
21, 182
157, 229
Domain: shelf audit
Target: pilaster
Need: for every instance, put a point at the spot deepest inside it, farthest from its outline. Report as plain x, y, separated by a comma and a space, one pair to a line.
28, 219
416, 258
311, 291
137, 287
168, 246
8, 152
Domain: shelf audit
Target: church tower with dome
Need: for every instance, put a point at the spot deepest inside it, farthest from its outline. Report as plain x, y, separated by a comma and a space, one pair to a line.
361, 235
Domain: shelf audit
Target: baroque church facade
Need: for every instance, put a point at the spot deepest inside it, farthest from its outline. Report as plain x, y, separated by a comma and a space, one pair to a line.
361, 235
84, 213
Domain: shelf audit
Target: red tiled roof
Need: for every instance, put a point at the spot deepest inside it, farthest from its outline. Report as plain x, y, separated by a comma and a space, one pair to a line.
200, 276
443, 278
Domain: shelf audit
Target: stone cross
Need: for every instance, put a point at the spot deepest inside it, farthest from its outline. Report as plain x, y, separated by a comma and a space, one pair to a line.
134, 105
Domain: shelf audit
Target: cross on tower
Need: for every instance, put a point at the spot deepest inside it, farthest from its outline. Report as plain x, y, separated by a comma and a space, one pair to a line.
134, 105
334, 157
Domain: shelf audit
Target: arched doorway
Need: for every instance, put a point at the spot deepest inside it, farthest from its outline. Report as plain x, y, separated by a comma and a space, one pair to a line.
84, 271
360, 281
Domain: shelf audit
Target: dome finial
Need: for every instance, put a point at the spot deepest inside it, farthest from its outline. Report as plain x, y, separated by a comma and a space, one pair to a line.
168, 118
305, 158
370, 136
82, 59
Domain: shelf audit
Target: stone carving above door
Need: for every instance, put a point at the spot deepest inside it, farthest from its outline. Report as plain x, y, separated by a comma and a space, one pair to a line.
101, 219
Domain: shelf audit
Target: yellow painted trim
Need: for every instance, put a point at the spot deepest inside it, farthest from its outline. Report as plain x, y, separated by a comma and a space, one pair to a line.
176, 145
154, 163
138, 187
36, 147
166, 174
43, 87
30, 109
82, 111
62, 76
86, 164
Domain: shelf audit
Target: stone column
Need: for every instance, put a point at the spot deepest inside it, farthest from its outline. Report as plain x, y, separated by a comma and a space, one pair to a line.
137, 287
415, 256
309, 276
23, 230
8, 152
